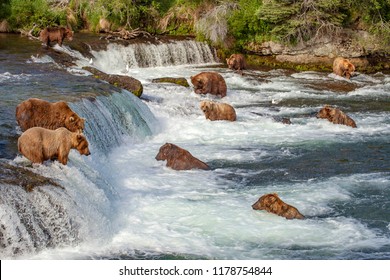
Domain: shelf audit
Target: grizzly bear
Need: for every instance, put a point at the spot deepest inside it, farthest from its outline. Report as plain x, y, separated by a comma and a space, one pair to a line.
40, 144
236, 62
217, 111
209, 82
55, 34
37, 112
179, 159
343, 67
273, 204
335, 116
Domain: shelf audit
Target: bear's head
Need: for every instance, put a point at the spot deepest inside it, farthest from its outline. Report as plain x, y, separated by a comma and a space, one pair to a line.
348, 68
231, 62
265, 201
81, 144
74, 123
197, 82
206, 106
68, 34
167, 151
325, 113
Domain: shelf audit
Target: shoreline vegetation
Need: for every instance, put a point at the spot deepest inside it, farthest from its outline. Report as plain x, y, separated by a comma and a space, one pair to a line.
296, 34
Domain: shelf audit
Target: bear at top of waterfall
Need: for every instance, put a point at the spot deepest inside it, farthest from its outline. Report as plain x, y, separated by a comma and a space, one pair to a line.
209, 82
273, 204
179, 159
236, 62
343, 67
55, 34
40, 144
217, 111
335, 116
37, 112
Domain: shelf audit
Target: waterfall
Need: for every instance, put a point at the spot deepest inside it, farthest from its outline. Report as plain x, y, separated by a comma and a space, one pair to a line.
110, 118
72, 203
142, 55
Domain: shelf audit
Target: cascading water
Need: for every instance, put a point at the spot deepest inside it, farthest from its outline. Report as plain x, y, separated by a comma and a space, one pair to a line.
118, 58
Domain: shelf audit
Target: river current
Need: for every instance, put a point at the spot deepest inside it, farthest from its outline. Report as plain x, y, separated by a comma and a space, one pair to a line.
120, 203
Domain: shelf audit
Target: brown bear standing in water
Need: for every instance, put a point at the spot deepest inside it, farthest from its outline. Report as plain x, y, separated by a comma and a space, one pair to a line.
55, 34
179, 159
236, 62
217, 111
273, 204
209, 82
343, 67
40, 144
37, 112
335, 116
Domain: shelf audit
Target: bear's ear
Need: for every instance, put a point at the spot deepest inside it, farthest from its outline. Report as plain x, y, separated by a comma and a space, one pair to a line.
79, 137
71, 119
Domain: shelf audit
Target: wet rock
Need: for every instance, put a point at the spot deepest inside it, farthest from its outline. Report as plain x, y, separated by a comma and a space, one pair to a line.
23, 177
178, 81
125, 82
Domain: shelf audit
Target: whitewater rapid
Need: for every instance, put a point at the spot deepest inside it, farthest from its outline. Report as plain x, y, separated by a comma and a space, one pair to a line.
125, 204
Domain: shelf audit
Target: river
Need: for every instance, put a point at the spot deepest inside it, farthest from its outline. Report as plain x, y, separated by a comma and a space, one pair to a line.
120, 203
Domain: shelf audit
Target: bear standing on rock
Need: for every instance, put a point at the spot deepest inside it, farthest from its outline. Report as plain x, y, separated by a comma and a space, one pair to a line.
55, 34
209, 82
273, 204
236, 62
37, 112
335, 116
40, 144
179, 159
217, 111
343, 67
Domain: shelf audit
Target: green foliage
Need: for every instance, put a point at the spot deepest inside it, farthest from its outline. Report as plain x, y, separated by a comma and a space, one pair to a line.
5, 9
26, 13
302, 20
245, 26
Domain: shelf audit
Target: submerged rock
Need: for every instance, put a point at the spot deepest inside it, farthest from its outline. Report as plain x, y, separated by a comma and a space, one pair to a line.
126, 82
23, 177
178, 81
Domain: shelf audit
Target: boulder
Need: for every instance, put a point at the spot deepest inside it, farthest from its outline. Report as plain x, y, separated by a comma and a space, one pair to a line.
126, 82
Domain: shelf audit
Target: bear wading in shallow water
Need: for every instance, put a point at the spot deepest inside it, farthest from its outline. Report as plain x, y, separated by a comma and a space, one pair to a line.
179, 159
217, 111
335, 116
273, 204
236, 62
55, 34
209, 82
343, 67
37, 112
40, 144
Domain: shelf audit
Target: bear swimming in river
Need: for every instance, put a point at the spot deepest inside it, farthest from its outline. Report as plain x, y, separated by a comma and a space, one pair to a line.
217, 111
273, 204
179, 159
335, 116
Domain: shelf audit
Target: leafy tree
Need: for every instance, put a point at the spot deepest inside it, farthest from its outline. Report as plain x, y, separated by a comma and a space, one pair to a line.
301, 20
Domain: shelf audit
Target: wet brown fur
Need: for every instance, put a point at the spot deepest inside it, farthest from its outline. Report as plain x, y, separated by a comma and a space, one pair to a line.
335, 116
178, 158
218, 111
273, 204
209, 82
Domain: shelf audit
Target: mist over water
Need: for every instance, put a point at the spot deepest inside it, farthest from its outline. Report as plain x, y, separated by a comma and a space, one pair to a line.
120, 203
